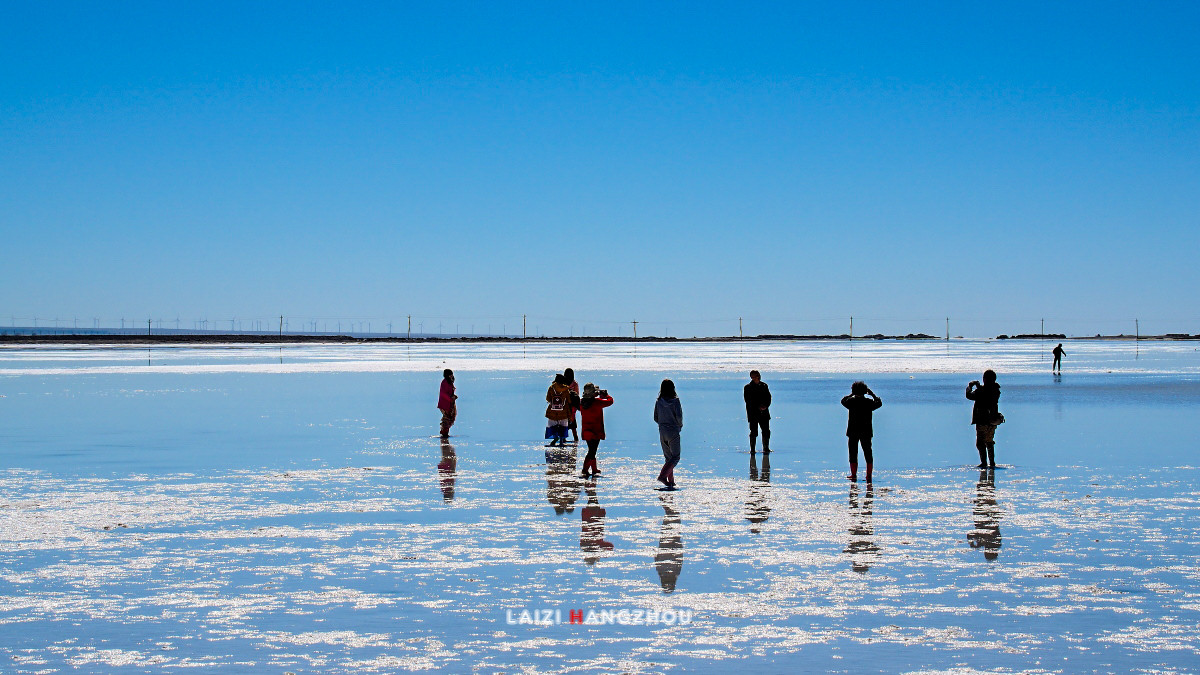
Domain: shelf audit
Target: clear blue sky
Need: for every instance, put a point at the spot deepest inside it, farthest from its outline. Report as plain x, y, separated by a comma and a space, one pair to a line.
682, 164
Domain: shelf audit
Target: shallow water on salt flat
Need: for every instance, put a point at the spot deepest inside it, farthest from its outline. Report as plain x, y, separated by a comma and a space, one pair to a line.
194, 512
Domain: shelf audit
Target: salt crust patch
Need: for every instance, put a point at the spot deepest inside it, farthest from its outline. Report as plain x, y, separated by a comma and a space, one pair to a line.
225, 565
959, 356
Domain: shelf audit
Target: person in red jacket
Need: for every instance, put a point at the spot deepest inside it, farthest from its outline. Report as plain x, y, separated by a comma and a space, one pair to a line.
591, 408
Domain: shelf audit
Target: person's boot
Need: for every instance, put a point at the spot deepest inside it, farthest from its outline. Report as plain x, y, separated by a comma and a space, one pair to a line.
870, 468
753, 442
991, 451
766, 442
853, 471
982, 457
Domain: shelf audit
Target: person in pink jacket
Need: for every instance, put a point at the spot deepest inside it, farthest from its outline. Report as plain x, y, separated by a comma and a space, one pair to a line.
446, 402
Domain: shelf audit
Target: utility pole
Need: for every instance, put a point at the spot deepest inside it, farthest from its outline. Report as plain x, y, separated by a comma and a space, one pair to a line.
1137, 330
634, 329
740, 331
947, 329
523, 317
147, 327
1043, 329
851, 328
280, 325
410, 326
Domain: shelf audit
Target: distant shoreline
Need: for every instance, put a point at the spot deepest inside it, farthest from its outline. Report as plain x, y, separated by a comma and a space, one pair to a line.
235, 338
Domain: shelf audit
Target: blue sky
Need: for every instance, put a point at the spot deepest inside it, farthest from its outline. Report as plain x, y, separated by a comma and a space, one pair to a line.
592, 163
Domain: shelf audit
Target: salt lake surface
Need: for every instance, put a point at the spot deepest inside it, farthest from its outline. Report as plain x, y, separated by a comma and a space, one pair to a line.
266, 509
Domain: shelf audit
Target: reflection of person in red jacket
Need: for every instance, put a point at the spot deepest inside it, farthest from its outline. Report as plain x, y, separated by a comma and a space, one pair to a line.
591, 535
591, 409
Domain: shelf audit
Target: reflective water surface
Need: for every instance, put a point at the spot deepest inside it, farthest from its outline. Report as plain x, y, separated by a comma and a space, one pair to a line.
297, 521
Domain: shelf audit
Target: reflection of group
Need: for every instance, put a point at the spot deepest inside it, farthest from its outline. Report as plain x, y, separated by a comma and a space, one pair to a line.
562, 491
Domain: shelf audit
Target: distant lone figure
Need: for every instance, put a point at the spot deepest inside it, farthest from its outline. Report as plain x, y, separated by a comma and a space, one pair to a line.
669, 415
1058, 354
985, 415
446, 402
591, 408
861, 403
758, 414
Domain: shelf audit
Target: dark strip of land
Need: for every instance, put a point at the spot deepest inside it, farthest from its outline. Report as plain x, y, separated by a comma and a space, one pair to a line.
238, 338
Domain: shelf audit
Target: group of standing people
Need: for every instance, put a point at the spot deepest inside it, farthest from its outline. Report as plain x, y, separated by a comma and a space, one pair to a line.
565, 405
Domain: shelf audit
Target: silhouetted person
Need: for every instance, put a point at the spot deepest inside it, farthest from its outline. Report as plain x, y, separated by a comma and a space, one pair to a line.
562, 487
1058, 354
985, 415
591, 410
862, 531
446, 468
669, 560
447, 402
669, 414
758, 414
591, 534
986, 513
758, 510
861, 403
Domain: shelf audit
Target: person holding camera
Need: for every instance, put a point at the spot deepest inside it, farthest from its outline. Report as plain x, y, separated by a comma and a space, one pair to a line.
985, 415
861, 403
591, 410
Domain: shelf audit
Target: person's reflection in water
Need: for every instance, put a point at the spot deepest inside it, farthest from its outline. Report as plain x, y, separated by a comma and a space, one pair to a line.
669, 561
591, 535
987, 513
757, 507
562, 486
446, 468
861, 547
